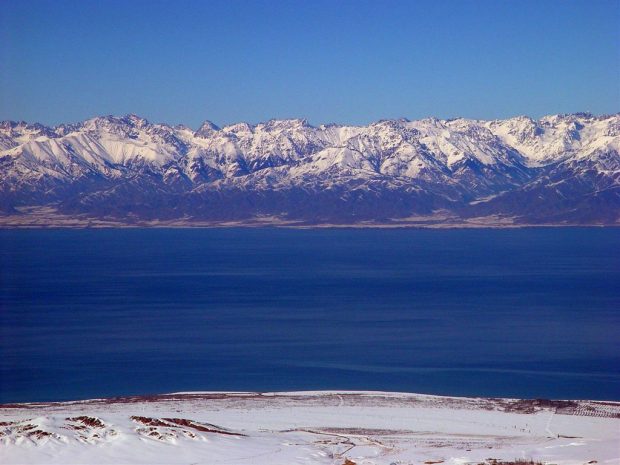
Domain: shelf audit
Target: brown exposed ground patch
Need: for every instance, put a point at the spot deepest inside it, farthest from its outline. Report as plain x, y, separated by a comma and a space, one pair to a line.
534, 405
366, 431
91, 422
589, 408
182, 422
205, 427
28, 430
147, 421
38, 434
153, 433
514, 462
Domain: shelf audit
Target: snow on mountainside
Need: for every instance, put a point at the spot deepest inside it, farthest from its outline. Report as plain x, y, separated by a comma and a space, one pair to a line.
559, 169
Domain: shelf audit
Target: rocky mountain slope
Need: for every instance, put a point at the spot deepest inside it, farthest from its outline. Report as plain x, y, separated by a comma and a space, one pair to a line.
562, 169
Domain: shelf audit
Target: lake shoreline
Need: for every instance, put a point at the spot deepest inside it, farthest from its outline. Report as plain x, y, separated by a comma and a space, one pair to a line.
49, 218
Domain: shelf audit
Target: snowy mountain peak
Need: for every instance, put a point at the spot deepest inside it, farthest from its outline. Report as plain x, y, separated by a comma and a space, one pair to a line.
207, 129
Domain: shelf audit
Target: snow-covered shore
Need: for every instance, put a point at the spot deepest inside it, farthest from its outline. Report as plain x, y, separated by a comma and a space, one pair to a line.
367, 428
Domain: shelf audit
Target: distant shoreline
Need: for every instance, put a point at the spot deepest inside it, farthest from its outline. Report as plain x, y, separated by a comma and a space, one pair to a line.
45, 220
512, 404
11, 226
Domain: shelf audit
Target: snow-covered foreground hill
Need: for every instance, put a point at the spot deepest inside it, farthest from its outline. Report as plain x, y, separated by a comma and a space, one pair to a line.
330, 428
562, 169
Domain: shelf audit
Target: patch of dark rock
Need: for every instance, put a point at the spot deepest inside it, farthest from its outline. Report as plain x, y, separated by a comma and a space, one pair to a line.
207, 428
534, 405
512, 462
88, 421
149, 421
38, 434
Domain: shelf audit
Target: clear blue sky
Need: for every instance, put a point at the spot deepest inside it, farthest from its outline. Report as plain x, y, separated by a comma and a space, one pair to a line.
327, 61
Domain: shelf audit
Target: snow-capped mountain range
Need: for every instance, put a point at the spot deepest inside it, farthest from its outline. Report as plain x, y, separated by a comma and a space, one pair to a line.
562, 169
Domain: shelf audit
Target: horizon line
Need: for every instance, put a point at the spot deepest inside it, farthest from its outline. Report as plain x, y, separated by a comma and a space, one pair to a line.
305, 120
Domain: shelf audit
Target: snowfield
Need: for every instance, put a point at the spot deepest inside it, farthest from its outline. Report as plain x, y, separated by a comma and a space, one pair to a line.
331, 428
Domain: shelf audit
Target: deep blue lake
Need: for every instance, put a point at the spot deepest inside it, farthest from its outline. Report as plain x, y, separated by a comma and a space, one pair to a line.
512, 313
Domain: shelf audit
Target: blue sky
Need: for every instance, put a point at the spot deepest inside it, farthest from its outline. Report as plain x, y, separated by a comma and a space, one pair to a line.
327, 61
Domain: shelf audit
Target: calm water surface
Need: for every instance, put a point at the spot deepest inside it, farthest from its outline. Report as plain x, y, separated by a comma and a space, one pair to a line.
519, 313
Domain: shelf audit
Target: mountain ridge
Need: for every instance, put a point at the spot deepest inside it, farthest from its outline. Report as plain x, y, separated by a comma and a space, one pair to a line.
559, 169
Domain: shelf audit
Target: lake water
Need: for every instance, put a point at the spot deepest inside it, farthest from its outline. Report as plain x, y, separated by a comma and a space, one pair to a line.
518, 313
